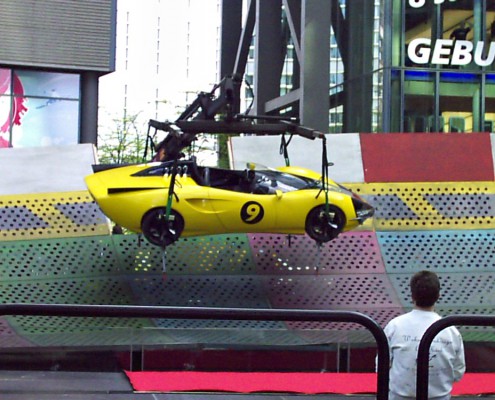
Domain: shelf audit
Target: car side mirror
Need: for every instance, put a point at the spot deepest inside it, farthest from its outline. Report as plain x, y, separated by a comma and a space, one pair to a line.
279, 194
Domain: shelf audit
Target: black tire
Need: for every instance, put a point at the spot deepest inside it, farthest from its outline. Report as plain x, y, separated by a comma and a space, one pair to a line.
160, 232
324, 226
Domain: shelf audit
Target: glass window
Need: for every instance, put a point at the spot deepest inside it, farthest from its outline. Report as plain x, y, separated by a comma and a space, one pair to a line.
50, 84
462, 25
489, 29
377, 105
460, 101
9, 110
336, 118
418, 29
446, 49
458, 21
396, 103
5, 76
47, 122
489, 119
336, 89
490, 20
38, 108
419, 101
448, 34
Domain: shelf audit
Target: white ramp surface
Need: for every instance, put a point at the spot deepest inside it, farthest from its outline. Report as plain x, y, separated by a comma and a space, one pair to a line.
344, 151
45, 169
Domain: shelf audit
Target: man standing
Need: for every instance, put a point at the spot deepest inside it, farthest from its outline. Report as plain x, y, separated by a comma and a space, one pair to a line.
447, 364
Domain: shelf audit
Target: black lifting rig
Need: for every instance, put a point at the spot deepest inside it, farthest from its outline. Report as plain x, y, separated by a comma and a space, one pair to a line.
217, 112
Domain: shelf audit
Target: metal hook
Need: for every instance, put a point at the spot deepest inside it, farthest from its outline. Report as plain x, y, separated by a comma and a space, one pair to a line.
319, 246
164, 260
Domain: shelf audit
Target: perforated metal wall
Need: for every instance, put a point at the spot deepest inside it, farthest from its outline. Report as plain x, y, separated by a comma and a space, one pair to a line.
57, 248
197, 255
50, 215
352, 252
9, 337
445, 251
431, 206
124, 269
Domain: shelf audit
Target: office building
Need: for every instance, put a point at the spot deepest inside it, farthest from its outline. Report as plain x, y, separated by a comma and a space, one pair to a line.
51, 57
392, 65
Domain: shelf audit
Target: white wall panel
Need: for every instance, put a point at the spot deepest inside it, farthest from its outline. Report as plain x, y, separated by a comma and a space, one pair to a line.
45, 169
344, 150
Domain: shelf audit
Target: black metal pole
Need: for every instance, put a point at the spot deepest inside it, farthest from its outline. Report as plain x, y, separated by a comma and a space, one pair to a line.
75, 310
427, 339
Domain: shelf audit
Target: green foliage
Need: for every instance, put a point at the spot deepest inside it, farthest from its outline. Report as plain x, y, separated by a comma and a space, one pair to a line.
223, 151
124, 144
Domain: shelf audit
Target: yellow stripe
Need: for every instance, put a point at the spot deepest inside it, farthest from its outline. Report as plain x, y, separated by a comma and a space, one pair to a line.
399, 207
50, 215
430, 206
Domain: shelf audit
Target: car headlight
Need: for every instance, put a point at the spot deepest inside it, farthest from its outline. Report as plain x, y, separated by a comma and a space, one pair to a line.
363, 209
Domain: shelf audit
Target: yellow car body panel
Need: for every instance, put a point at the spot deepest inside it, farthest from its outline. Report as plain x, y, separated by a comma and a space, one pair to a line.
150, 193
127, 193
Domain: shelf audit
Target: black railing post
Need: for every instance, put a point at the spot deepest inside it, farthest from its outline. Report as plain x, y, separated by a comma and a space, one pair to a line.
429, 336
75, 310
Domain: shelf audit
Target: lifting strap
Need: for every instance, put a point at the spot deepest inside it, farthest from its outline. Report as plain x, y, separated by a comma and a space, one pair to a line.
171, 188
284, 144
149, 143
324, 173
168, 211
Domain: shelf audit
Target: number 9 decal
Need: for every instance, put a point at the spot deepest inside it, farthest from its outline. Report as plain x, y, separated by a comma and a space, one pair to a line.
252, 212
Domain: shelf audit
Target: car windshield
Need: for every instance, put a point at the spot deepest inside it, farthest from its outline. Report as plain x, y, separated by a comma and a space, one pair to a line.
165, 168
274, 180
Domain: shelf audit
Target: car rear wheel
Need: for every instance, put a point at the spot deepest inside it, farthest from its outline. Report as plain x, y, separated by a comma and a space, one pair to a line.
160, 232
322, 225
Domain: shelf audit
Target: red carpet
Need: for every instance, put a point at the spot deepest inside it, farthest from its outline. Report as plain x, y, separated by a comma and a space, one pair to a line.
307, 383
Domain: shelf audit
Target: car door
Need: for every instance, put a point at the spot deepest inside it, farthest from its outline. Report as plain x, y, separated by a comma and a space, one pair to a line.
244, 212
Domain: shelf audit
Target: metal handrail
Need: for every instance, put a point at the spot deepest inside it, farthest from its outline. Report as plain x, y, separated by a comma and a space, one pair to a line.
427, 339
73, 310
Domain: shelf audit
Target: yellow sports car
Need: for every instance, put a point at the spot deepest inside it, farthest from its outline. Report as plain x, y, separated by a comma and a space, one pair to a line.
208, 201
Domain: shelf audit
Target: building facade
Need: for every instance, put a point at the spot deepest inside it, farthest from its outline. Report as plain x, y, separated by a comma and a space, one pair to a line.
167, 52
392, 65
442, 70
337, 65
52, 54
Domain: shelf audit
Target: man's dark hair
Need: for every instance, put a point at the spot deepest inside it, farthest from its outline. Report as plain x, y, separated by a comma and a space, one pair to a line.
425, 288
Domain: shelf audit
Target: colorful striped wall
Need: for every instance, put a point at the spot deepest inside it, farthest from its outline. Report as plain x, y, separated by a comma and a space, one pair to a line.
435, 209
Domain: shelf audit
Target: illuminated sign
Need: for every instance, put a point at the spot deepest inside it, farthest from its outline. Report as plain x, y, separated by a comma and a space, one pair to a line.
450, 52
422, 3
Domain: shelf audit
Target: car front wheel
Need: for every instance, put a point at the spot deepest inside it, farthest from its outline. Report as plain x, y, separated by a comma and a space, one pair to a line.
160, 231
324, 225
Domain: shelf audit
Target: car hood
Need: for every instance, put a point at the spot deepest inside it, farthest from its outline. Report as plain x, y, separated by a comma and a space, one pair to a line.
118, 179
